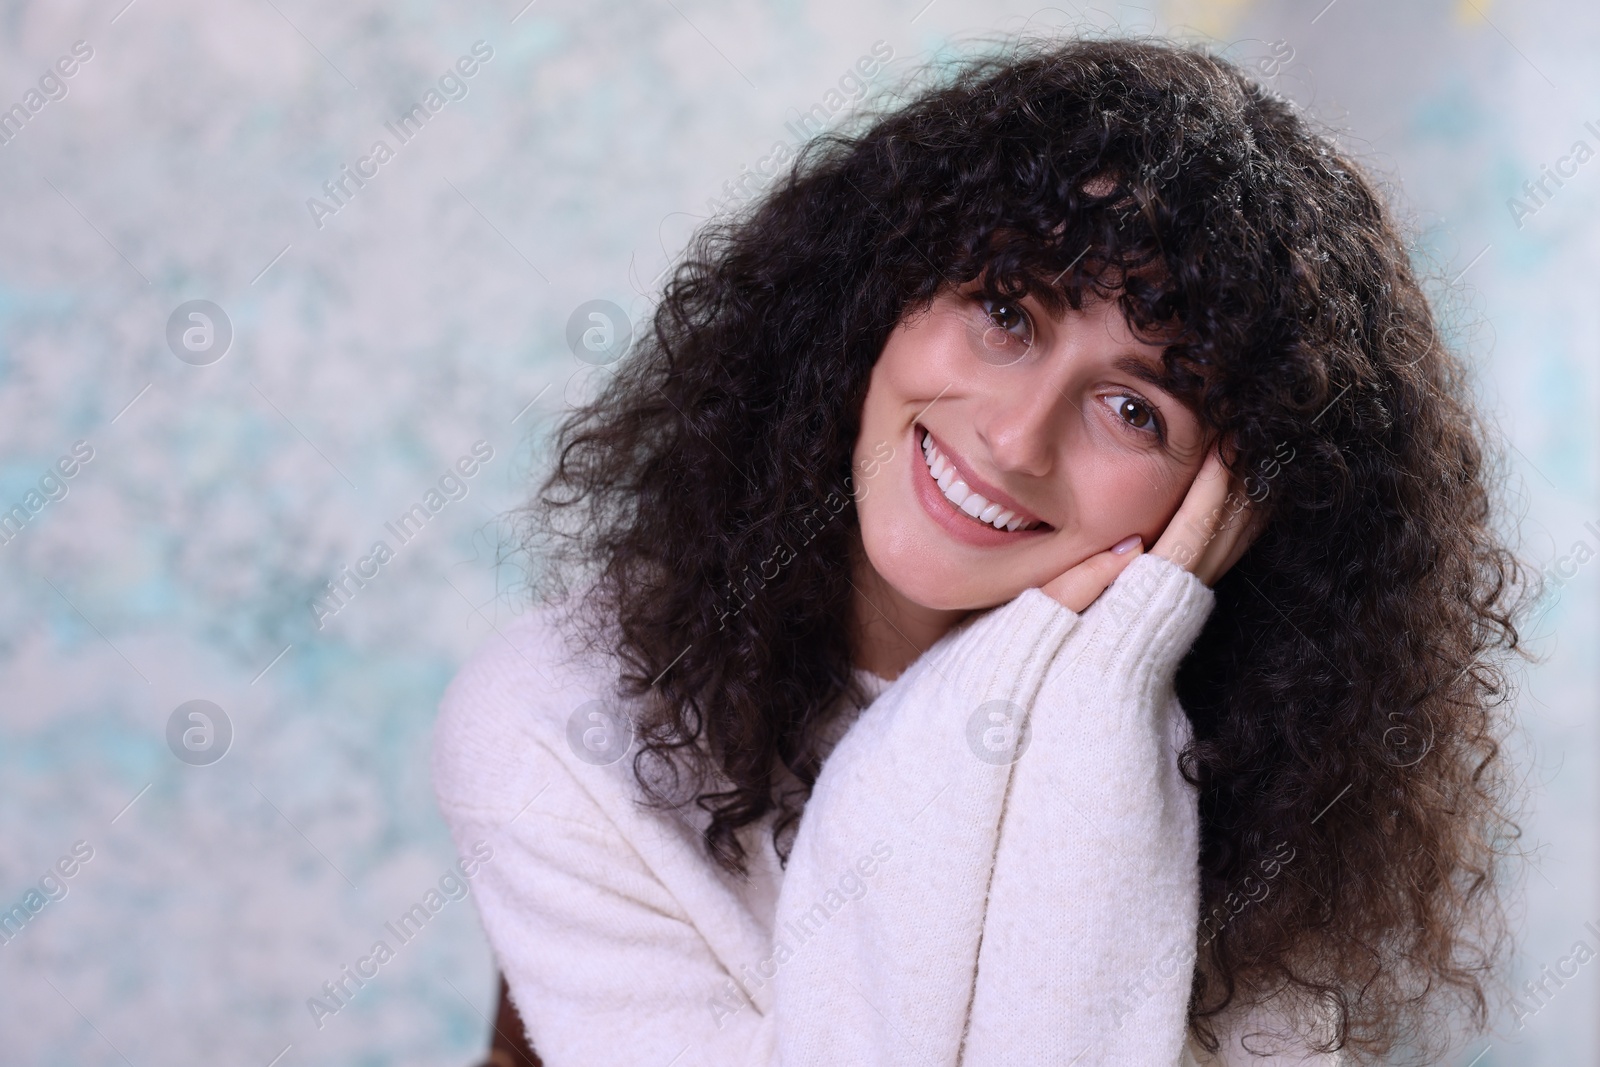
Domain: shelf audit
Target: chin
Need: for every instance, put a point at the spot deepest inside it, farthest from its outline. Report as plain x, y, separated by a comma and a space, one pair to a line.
922, 574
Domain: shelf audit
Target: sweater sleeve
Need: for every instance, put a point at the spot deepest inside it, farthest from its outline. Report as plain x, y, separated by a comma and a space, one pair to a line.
1022, 775
596, 912
920, 779
1088, 942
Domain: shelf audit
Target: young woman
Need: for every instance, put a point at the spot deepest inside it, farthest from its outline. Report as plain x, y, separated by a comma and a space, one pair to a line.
1032, 599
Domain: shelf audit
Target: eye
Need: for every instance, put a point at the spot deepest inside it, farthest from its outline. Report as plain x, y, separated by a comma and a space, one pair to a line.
1008, 324
1137, 413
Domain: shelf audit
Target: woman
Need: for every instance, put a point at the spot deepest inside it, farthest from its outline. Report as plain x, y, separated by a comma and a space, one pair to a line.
1031, 600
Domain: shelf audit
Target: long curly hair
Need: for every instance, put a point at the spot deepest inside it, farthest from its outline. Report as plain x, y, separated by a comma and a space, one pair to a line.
1355, 804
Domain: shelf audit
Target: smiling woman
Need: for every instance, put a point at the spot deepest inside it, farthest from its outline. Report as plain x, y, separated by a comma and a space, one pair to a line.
995, 393
1058, 304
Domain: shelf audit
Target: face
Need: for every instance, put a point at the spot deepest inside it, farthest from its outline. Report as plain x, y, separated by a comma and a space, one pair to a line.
982, 412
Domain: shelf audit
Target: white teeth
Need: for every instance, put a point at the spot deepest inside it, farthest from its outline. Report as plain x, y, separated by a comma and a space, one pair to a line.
961, 495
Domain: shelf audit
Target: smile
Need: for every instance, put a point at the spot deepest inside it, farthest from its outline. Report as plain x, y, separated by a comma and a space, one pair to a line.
972, 504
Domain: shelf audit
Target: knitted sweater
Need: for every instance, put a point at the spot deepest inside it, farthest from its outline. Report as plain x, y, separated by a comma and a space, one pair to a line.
997, 866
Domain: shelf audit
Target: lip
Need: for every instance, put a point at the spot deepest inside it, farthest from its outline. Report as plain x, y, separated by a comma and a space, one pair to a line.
952, 519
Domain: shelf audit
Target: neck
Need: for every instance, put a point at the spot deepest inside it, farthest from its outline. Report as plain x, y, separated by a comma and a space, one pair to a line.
888, 631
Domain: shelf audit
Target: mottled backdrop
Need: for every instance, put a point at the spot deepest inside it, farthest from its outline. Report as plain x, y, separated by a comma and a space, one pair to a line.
383, 328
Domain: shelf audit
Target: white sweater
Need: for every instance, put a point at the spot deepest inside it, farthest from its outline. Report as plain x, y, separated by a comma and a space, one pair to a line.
945, 902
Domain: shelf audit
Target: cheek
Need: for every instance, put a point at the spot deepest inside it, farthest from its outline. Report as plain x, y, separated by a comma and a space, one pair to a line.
926, 356
912, 371
1122, 494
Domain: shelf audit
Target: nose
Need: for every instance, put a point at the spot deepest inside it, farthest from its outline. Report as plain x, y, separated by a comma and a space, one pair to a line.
1022, 427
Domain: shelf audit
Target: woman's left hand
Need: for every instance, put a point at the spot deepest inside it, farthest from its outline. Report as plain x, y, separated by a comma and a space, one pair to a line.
1211, 530
1214, 525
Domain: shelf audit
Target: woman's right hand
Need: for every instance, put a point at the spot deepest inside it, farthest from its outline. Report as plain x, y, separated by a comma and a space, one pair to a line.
1214, 525
1206, 537
1083, 584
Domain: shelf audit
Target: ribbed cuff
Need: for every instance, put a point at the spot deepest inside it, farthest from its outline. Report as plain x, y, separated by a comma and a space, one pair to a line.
1006, 653
1138, 631
1144, 624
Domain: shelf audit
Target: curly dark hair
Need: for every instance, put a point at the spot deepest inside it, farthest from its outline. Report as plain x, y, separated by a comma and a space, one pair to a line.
1343, 693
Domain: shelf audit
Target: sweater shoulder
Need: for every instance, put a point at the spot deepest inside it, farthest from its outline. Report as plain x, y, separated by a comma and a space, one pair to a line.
503, 721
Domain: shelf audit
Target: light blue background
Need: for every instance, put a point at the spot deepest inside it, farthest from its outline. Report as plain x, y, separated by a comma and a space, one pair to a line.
429, 314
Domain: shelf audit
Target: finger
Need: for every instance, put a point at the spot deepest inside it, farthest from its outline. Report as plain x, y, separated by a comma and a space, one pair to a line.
1082, 585
1199, 517
1237, 539
1243, 521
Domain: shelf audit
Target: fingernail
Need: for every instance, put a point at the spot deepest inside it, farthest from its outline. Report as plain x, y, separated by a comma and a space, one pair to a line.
1126, 545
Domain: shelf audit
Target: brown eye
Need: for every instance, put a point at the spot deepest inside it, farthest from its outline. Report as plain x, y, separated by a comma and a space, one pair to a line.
1137, 414
1011, 319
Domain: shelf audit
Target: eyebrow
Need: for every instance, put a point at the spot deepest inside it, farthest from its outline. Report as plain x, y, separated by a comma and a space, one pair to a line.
1142, 370
1138, 368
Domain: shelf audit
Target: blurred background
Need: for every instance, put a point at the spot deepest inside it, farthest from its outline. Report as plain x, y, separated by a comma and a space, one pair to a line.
239, 342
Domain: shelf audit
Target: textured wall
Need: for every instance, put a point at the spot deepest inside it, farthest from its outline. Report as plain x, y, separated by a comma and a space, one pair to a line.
379, 338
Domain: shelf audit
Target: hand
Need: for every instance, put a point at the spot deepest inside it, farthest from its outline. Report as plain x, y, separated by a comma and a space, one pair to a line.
1209, 533
1214, 525
1082, 585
